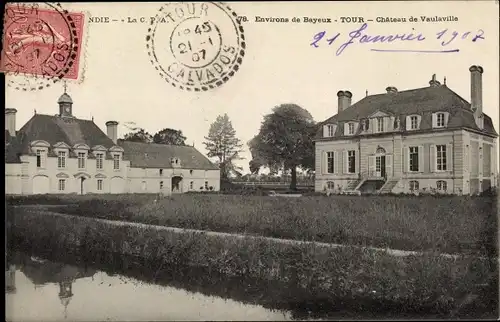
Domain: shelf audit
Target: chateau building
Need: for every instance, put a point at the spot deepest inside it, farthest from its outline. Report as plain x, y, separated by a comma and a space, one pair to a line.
62, 154
424, 139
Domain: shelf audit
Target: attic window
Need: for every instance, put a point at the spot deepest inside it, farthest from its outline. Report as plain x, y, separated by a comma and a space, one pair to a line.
440, 120
413, 122
330, 130
350, 128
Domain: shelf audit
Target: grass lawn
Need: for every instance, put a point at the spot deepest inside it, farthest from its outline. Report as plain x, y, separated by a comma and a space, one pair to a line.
454, 224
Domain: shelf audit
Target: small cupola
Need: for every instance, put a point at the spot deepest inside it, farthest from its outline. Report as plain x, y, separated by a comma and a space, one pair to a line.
65, 104
391, 89
434, 82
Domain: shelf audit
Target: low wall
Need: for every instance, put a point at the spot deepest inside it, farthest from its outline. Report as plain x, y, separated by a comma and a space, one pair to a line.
413, 282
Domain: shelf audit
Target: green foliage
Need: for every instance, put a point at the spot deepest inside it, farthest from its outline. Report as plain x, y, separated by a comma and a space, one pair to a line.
222, 143
169, 136
454, 224
284, 141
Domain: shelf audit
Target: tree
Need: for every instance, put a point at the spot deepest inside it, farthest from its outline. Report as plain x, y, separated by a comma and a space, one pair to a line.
285, 141
169, 136
223, 144
137, 134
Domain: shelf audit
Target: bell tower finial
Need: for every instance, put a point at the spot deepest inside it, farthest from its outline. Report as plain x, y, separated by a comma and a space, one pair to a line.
65, 86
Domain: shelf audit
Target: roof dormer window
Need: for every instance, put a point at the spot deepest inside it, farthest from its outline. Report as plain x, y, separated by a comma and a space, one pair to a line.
329, 130
413, 122
440, 119
380, 124
350, 128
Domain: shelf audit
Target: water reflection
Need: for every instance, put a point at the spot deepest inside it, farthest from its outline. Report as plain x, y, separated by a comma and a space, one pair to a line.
38, 289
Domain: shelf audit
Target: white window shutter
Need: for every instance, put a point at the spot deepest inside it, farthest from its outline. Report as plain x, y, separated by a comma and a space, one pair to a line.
408, 123
371, 165
324, 162
446, 117
356, 161
325, 131
419, 120
388, 165
406, 159
346, 129
345, 161
420, 158
449, 157
432, 158
434, 120
335, 162
493, 161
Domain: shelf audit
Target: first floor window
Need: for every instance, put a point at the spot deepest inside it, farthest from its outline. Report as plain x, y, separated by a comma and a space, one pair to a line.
62, 184
81, 160
442, 185
99, 157
413, 185
99, 184
40, 158
161, 185
441, 157
413, 158
191, 184
351, 161
116, 161
161, 172
206, 184
330, 162
61, 159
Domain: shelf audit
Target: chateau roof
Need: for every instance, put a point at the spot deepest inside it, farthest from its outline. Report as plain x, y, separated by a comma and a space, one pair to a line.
54, 129
421, 101
151, 155
48, 272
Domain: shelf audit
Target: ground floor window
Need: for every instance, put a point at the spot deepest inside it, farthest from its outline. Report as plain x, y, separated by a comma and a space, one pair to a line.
413, 185
330, 185
161, 185
191, 184
99, 184
442, 185
62, 184
206, 185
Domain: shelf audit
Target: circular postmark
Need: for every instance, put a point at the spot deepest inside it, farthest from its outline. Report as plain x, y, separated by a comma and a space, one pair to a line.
41, 45
196, 46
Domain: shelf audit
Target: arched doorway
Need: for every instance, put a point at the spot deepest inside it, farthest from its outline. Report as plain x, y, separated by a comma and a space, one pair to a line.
176, 184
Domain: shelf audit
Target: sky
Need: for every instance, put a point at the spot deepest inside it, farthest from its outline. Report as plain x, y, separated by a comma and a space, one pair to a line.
118, 82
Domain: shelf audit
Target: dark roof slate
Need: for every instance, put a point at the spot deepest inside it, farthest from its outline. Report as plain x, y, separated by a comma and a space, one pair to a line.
151, 155
422, 101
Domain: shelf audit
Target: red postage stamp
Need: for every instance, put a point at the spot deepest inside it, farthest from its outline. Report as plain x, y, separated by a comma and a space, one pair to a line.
43, 42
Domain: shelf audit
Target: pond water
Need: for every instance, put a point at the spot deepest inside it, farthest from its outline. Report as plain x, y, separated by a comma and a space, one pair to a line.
39, 289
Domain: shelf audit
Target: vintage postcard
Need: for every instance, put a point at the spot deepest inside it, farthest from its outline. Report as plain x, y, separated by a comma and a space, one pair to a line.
251, 160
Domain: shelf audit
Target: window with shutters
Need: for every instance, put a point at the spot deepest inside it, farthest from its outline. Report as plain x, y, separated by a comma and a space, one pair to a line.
414, 185
413, 122
441, 185
330, 162
350, 128
413, 158
380, 124
351, 161
330, 130
441, 157
440, 120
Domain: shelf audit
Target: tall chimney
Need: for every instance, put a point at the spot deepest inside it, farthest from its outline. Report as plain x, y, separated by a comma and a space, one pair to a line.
476, 94
344, 100
391, 89
10, 120
112, 128
434, 82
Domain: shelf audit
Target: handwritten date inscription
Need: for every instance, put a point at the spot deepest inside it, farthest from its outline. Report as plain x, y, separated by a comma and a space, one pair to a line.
444, 38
